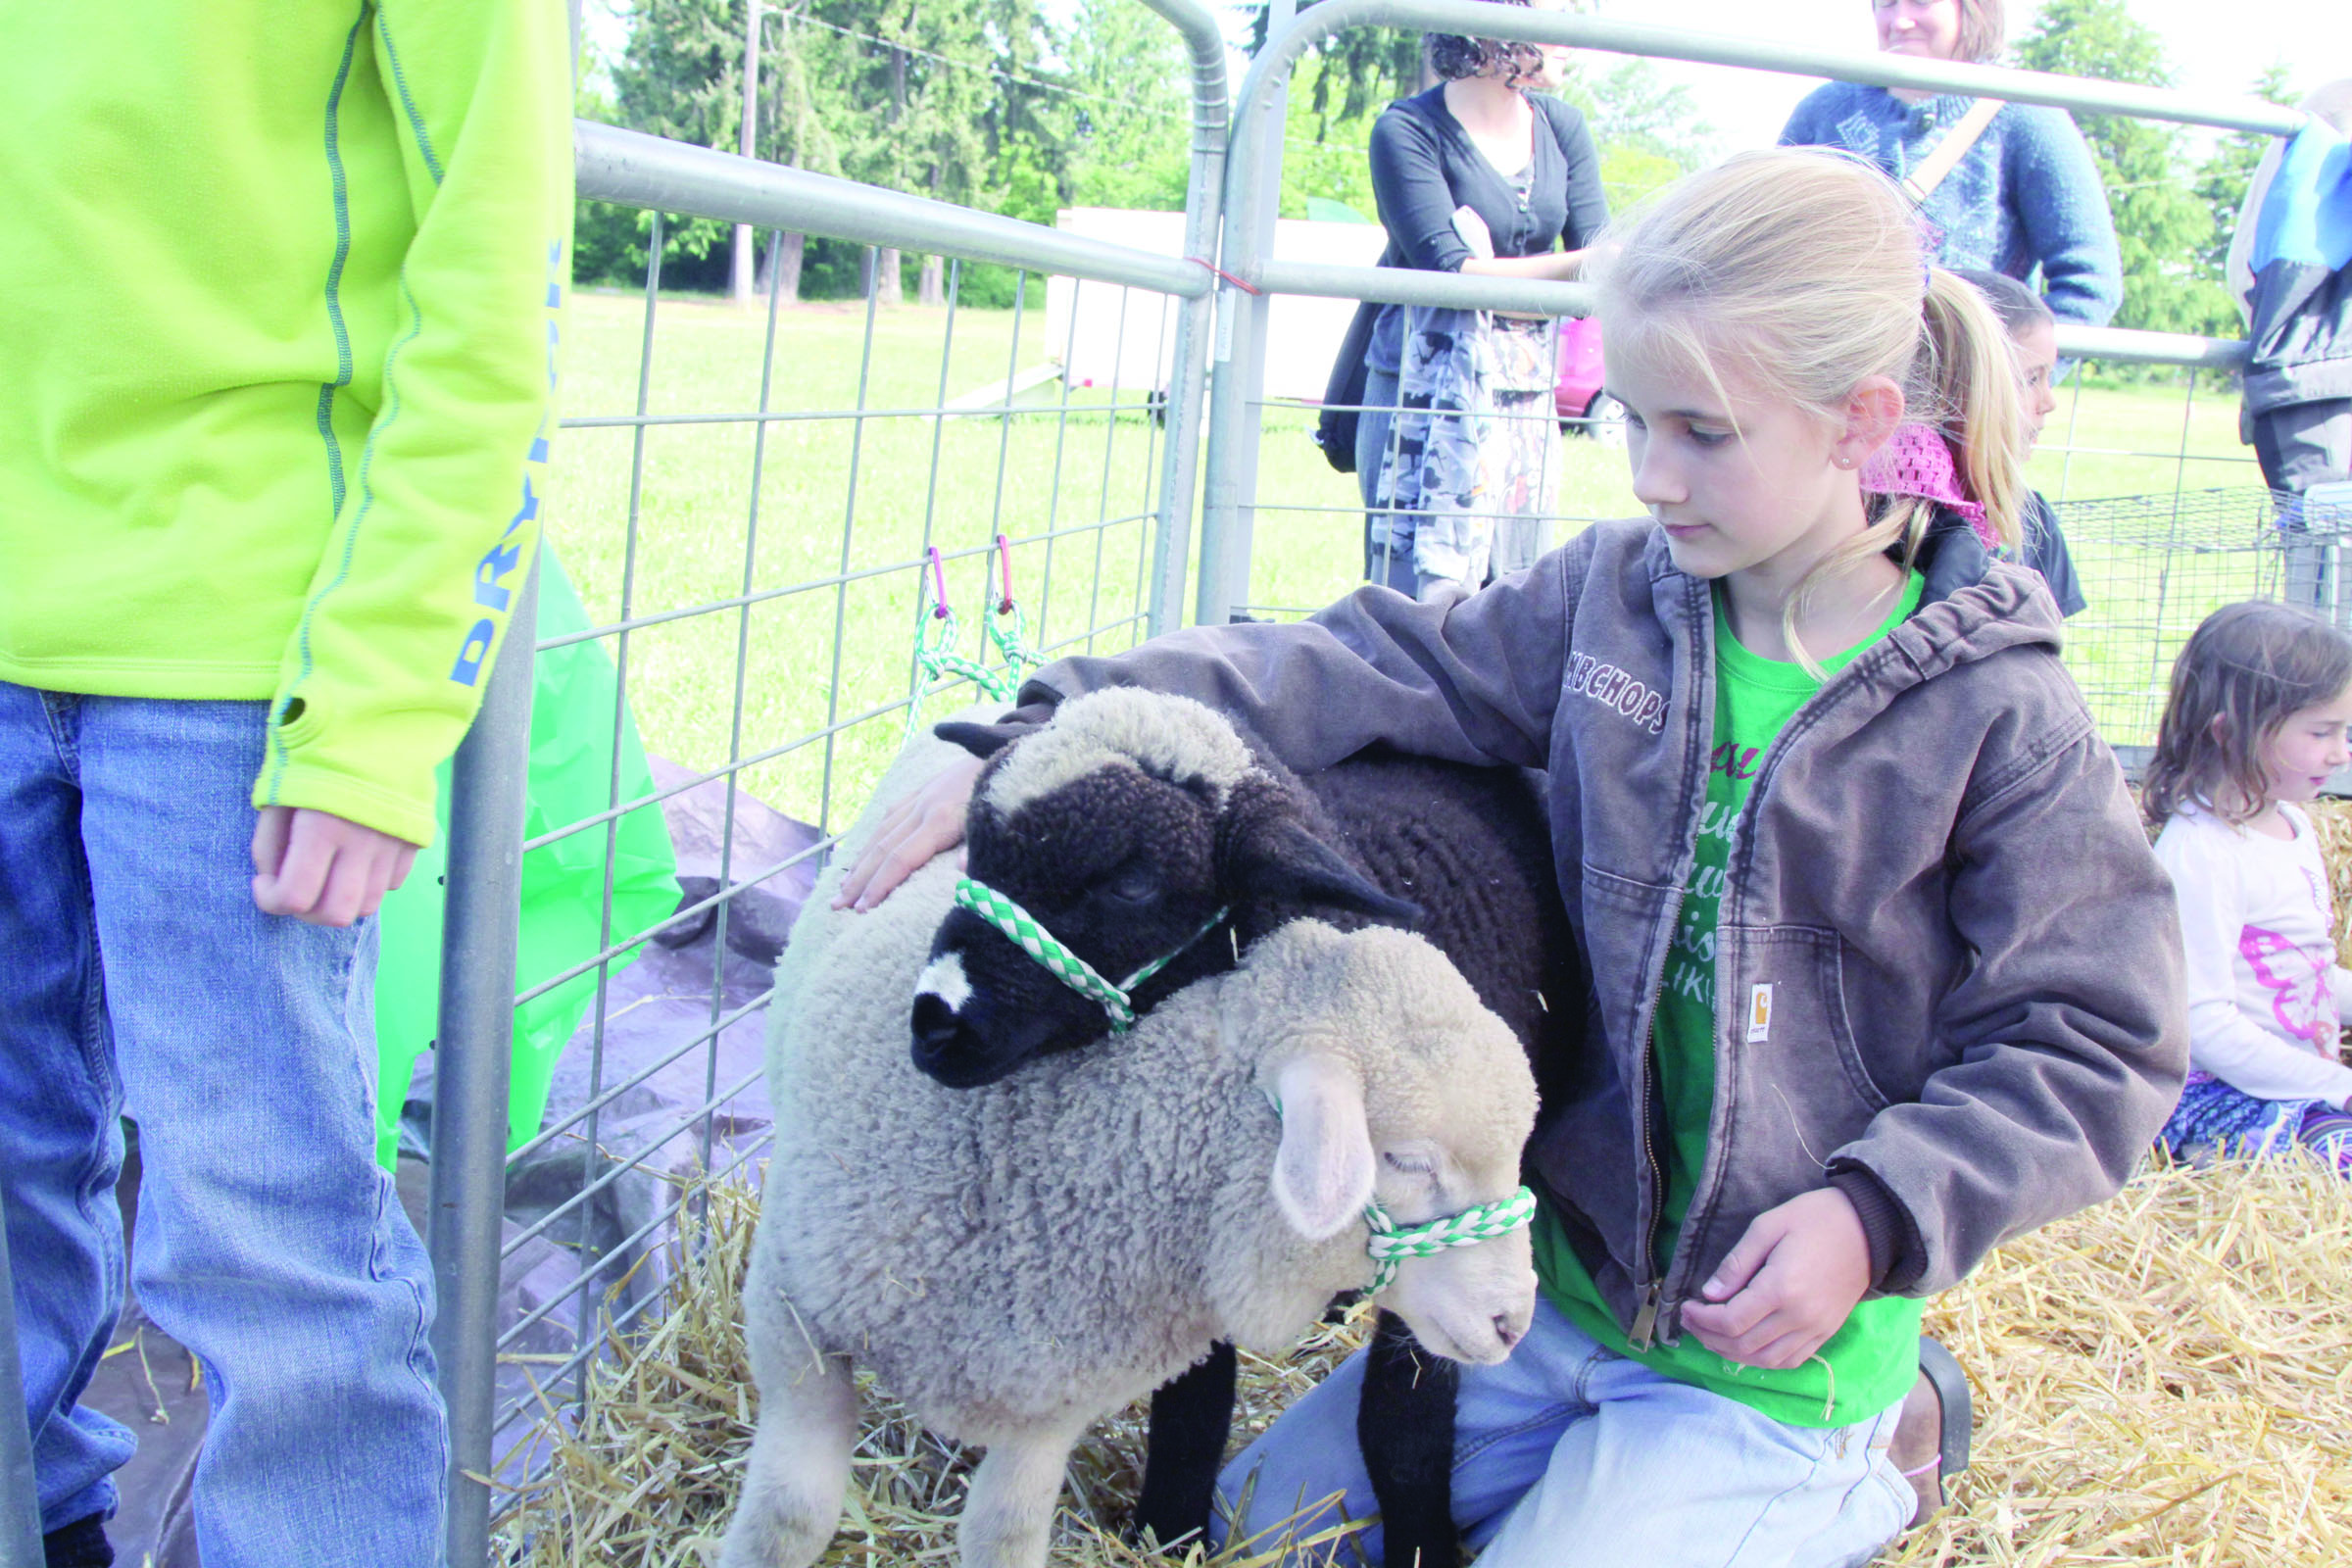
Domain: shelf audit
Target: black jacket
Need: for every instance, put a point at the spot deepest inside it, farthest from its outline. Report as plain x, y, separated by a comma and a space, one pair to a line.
2298, 397
1424, 166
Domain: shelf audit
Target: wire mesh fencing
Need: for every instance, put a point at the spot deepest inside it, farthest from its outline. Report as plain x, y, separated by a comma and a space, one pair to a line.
2152, 567
784, 536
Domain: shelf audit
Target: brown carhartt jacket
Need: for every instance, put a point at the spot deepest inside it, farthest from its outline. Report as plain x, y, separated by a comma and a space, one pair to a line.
1975, 1020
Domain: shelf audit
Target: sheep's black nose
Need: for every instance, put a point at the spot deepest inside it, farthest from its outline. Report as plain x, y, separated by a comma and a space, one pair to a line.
935, 1025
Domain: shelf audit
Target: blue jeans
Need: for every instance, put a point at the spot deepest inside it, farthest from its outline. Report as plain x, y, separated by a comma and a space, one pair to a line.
137, 975
1568, 1456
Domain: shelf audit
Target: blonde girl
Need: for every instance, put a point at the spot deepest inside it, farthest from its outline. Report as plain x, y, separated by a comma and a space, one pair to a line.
2260, 698
1883, 970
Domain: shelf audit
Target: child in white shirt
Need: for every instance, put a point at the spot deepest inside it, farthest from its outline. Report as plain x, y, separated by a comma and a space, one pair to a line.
2260, 699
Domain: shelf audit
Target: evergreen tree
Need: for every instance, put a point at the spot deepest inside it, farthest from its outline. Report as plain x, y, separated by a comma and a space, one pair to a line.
1369, 68
677, 78
2161, 226
680, 76
2222, 186
1635, 108
1129, 112
918, 78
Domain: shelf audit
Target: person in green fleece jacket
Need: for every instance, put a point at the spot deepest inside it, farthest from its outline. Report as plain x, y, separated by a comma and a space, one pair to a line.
274, 436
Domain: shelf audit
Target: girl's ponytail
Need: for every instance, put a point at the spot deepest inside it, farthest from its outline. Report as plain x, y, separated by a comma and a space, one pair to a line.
1969, 371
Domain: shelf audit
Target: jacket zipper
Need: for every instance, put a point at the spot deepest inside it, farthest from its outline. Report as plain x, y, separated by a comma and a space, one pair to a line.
1645, 1321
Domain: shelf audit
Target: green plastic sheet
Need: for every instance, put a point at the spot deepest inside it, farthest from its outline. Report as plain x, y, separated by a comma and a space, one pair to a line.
573, 698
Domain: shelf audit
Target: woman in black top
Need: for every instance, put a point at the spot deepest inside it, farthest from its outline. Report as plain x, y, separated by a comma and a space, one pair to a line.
1484, 175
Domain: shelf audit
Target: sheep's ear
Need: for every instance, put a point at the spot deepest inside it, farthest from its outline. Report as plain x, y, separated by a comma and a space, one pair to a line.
1324, 1170
983, 739
1281, 862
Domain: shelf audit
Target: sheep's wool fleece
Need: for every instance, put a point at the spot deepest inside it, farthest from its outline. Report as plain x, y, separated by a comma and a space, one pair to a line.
1171, 737
1048, 1248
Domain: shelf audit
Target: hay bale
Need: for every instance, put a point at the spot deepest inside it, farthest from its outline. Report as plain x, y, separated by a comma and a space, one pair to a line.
2331, 823
2164, 1379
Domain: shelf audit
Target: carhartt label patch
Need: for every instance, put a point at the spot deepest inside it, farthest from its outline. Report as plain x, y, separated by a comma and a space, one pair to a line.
1759, 1014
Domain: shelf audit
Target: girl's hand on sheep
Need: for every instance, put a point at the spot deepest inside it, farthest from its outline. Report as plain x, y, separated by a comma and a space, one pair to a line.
1789, 1283
926, 823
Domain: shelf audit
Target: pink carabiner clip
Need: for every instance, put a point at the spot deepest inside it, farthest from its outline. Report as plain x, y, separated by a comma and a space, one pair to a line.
939, 585
1004, 574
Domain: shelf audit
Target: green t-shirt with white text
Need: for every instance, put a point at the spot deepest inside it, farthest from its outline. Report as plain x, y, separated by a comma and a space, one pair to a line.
1871, 1361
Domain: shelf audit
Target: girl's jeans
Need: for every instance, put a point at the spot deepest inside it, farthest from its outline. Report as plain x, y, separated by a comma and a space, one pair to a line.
137, 976
1570, 1456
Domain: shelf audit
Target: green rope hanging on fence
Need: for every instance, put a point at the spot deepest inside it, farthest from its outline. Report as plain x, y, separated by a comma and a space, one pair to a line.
1029, 934
935, 635
1012, 646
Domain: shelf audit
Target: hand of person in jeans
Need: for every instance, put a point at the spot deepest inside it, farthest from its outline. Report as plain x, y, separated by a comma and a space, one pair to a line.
324, 868
1790, 1282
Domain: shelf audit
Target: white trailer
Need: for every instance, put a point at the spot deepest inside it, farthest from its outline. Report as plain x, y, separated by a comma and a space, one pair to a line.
1125, 338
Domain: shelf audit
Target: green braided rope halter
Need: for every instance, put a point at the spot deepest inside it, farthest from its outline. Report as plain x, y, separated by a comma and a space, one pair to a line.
1391, 1245
1005, 628
937, 661
1014, 645
1030, 935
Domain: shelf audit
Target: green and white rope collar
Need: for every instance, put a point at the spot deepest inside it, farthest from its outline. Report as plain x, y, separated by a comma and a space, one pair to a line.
1030, 935
1390, 1245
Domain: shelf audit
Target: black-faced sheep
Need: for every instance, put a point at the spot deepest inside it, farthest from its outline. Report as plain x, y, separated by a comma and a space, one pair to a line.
1016, 1260
1139, 827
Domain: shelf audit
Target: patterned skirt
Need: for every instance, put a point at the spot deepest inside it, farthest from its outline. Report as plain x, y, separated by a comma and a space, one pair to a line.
2214, 1119
1474, 454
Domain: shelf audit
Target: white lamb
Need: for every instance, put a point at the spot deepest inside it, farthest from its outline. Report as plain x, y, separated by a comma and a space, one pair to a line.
1018, 1260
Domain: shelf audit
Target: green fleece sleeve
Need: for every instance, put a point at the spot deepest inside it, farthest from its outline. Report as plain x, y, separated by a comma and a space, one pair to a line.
440, 507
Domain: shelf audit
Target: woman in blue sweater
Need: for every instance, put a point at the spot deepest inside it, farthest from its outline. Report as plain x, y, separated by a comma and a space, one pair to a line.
2025, 195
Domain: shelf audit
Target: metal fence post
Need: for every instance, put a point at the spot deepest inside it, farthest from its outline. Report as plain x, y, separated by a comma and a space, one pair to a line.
471, 1047
19, 1492
1236, 380
1203, 199
1247, 382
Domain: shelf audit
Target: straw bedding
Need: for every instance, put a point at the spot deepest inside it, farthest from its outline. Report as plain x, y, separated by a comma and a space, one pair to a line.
2166, 1379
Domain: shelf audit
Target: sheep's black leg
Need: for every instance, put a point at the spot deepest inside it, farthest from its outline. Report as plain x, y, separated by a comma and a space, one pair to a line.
1191, 1415
1405, 1427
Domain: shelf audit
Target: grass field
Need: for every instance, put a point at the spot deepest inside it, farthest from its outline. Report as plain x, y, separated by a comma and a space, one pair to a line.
1050, 478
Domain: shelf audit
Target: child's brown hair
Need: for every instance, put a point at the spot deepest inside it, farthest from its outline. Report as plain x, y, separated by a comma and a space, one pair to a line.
2243, 672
